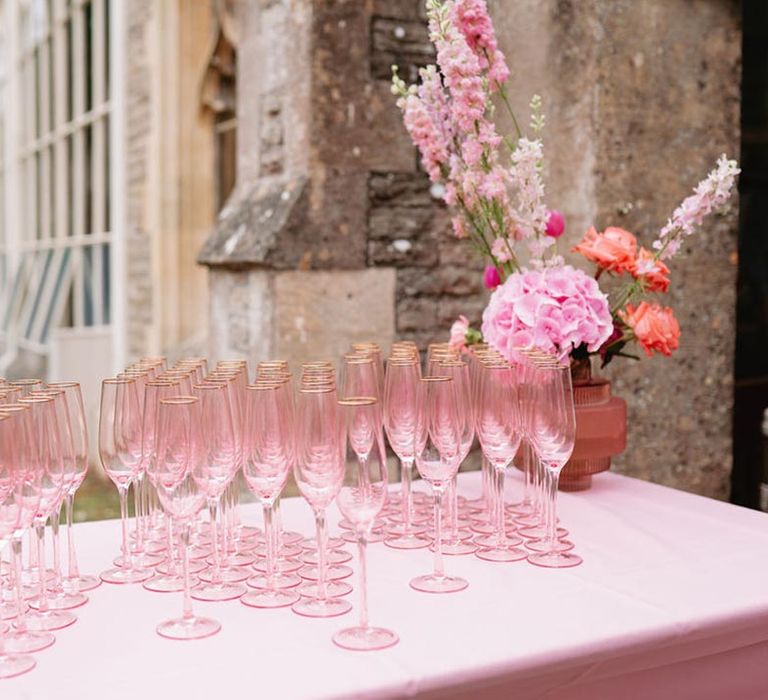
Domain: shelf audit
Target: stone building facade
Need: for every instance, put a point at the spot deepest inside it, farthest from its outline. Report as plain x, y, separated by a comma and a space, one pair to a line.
332, 232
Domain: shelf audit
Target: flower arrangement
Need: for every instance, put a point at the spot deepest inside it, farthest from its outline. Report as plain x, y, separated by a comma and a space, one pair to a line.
494, 187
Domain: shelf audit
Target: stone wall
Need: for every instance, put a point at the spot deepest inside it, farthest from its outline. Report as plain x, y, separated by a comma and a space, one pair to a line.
138, 249
639, 106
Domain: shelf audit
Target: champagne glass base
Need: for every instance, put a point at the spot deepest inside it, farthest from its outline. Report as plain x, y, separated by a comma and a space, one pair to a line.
188, 628
333, 556
232, 574
27, 641
501, 554
457, 548
544, 545
236, 559
291, 537
373, 536
195, 567
215, 592
12, 666
61, 601
8, 610
49, 620
332, 543
432, 583
555, 560
314, 607
167, 584
82, 583
142, 560
122, 576
275, 598
400, 528
279, 581
199, 551
333, 572
282, 566
538, 532
285, 551
333, 589
411, 541
365, 638
520, 509
491, 541
482, 527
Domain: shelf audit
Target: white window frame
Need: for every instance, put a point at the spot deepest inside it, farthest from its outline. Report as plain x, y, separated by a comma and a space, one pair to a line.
41, 234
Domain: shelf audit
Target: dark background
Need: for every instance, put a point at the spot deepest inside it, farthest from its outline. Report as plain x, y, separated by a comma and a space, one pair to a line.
750, 454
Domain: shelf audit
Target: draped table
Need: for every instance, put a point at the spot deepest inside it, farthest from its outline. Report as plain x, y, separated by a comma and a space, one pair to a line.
671, 602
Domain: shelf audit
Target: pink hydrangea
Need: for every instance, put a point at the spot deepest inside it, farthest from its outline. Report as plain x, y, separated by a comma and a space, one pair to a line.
553, 309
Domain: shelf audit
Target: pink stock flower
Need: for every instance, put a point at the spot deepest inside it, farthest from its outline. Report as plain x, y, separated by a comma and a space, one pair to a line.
425, 134
501, 250
555, 224
491, 278
459, 330
472, 19
458, 226
653, 272
553, 309
709, 195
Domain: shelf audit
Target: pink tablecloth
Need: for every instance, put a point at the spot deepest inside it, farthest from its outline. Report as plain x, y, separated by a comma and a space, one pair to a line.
671, 602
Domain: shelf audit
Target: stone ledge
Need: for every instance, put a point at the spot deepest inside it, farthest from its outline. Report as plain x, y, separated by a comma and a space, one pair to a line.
249, 227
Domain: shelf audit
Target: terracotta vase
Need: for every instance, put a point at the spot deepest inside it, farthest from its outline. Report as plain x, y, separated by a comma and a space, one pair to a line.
601, 428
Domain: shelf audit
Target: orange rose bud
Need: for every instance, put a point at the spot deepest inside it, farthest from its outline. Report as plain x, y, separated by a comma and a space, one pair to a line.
654, 326
614, 249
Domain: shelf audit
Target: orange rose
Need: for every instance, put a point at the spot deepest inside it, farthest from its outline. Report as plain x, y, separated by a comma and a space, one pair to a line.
614, 249
653, 273
654, 326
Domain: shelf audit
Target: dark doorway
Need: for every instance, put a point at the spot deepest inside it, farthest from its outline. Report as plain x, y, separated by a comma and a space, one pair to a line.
751, 387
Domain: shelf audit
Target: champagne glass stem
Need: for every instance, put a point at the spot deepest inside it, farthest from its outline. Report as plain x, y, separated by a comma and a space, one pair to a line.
73, 572
187, 614
453, 494
122, 492
362, 541
406, 482
213, 513
528, 472
20, 622
40, 533
269, 540
500, 515
553, 477
321, 539
138, 544
171, 554
438, 494
55, 520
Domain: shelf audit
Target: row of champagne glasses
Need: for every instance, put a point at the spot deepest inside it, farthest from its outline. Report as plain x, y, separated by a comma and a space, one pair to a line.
43, 461
263, 430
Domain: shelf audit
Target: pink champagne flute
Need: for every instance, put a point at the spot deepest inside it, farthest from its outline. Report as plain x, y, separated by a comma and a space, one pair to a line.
11, 487
498, 429
21, 639
267, 458
554, 437
120, 454
401, 392
169, 580
438, 450
175, 473
75, 580
219, 463
455, 543
319, 472
360, 500
57, 597
48, 458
